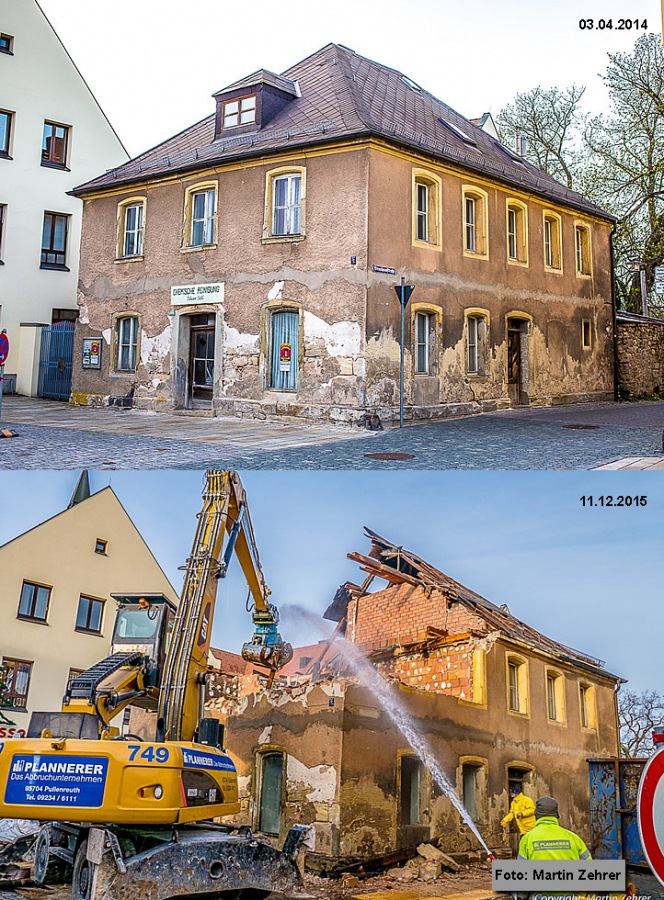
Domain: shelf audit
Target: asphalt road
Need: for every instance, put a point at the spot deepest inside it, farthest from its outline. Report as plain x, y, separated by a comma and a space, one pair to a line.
52, 435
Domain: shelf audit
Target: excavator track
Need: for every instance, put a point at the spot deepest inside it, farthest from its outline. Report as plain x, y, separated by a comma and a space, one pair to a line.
83, 686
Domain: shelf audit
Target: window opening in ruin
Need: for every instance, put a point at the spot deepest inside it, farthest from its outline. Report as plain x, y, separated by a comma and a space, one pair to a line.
411, 788
271, 786
470, 774
517, 778
551, 696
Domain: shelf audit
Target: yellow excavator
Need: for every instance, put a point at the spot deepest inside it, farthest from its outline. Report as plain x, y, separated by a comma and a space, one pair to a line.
132, 818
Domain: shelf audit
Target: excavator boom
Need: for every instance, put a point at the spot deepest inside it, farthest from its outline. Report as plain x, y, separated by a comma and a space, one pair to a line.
98, 793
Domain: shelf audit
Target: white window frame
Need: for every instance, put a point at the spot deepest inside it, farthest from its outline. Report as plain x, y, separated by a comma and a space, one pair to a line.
239, 111
132, 238
582, 249
209, 212
470, 224
292, 208
473, 345
548, 244
512, 233
128, 342
517, 232
422, 210
424, 325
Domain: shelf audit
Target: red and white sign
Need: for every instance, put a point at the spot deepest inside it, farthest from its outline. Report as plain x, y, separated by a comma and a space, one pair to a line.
650, 813
11, 732
284, 358
4, 348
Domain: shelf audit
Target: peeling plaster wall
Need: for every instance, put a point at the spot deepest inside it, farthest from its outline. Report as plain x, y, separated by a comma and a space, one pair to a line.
358, 206
343, 751
446, 280
314, 275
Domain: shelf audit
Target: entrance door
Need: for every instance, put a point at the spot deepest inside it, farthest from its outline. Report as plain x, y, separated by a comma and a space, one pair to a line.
201, 359
55, 361
517, 361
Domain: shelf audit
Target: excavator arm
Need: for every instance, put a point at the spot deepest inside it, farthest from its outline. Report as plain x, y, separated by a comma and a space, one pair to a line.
106, 688
224, 527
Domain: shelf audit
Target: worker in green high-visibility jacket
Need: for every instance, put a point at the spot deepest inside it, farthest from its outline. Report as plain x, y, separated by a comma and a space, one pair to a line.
548, 839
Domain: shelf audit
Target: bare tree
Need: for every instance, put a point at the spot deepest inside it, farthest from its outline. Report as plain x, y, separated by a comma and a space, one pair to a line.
638, 714
548, 119
625, 165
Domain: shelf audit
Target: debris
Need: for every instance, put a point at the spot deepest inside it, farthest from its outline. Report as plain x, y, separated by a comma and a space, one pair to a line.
433, 854
370, 421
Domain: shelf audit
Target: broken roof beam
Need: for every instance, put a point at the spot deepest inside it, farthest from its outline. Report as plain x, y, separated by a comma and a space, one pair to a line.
383, 571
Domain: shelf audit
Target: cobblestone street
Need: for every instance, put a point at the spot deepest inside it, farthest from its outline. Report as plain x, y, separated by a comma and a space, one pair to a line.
609, 435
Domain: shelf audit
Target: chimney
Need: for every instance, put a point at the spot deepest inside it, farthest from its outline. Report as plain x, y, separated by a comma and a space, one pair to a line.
521, 144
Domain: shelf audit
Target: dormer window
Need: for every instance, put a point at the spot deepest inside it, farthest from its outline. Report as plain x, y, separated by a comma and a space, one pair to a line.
239, 112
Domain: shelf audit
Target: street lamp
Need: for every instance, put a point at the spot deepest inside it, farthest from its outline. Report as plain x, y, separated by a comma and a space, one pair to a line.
403, 292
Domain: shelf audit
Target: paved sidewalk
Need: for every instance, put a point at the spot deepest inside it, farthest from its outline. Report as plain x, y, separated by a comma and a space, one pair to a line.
582, 437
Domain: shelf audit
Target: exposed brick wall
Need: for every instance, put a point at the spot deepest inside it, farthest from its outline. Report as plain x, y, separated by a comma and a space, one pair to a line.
446, 670
401, 613
640, 358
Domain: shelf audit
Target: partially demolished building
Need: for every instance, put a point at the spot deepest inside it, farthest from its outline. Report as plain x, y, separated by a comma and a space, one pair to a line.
497, 702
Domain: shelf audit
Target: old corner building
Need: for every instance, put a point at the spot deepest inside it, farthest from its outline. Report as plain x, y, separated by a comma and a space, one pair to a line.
247, 265
496, 703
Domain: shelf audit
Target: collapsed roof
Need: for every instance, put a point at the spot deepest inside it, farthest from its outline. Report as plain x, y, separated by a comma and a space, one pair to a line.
399, 566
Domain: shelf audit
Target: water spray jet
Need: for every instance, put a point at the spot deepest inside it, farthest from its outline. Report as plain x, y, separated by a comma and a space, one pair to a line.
381, 691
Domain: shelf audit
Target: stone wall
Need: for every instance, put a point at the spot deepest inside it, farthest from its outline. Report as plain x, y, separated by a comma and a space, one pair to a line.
640, 358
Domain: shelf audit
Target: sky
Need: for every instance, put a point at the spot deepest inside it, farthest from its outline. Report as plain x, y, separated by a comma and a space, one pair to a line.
153, 71
589, 577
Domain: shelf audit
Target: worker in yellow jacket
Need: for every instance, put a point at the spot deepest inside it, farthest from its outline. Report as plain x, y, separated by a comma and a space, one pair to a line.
548, 839
522, 811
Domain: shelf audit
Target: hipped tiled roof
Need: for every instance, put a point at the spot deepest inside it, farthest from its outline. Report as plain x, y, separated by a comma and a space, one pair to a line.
343, 96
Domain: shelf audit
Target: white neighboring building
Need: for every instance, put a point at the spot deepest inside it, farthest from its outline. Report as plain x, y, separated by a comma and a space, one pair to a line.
53, 136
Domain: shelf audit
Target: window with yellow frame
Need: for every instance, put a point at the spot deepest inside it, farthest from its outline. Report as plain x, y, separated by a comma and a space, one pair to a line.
552, 241
587, 708
517, 684
426, 220
555, 696
582, 249
200, 215
131, 225
475, 222
285, 204
517, 232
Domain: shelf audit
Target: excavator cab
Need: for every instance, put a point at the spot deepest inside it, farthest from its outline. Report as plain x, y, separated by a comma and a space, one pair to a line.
143, 624
130, 674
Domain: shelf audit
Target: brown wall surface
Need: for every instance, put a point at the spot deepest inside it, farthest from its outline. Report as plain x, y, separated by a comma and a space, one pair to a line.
640, 358
358, 205
343, 749
559, 369
313, 274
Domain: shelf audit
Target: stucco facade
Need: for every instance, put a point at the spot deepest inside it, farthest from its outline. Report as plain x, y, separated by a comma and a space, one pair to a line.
495, 703
294, 310
57, 611
40, 85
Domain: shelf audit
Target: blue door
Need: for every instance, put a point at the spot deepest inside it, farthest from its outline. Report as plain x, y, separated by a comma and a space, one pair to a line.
285, 351
55, 361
